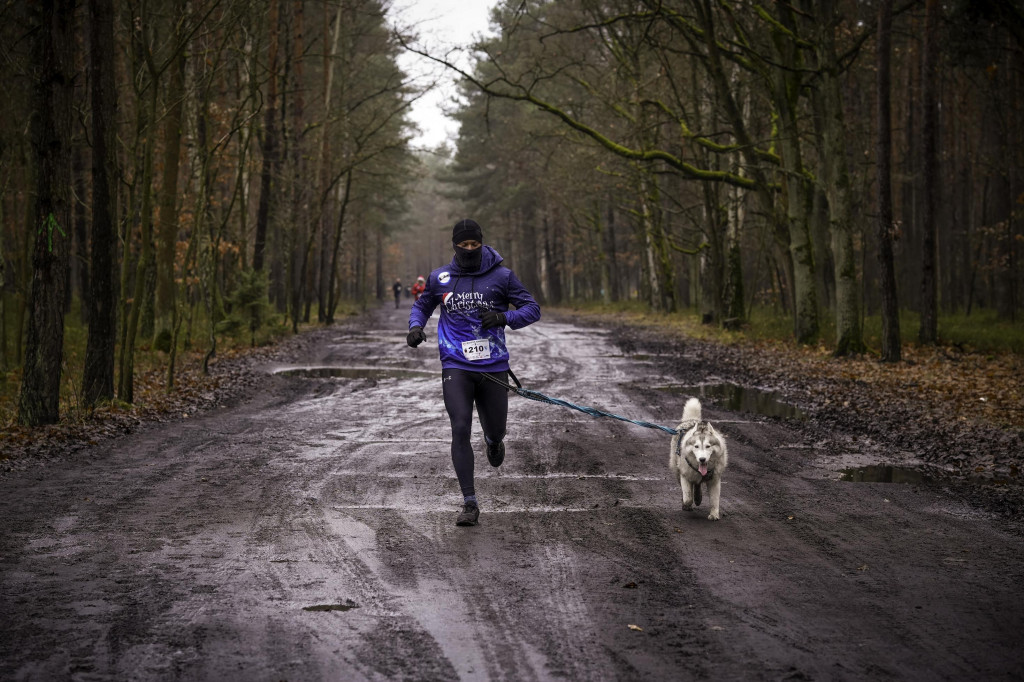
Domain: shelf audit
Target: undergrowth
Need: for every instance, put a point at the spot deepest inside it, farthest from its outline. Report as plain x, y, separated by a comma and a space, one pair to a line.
150, 364
982, 331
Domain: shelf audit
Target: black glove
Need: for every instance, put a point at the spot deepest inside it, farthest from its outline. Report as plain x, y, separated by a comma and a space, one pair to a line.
415, 337
489, 318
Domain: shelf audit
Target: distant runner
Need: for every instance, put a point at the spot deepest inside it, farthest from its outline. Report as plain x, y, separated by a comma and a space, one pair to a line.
397, 288
474, 292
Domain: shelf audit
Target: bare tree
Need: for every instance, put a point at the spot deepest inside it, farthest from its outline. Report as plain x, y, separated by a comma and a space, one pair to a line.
930, 171
98, 379
53, 57
891, 347
270, 140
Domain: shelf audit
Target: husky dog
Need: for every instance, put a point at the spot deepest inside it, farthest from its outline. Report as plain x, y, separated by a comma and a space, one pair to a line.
698, 456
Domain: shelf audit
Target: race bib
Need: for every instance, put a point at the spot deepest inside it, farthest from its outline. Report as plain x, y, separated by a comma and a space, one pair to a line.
477, 349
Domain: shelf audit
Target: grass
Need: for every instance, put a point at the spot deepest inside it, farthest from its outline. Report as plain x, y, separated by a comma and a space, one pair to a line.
981, 332
149, 363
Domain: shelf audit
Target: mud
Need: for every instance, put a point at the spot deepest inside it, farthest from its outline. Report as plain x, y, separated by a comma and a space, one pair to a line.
307, 533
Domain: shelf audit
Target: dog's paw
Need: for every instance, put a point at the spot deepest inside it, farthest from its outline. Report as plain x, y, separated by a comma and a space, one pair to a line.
713, 516
688, 506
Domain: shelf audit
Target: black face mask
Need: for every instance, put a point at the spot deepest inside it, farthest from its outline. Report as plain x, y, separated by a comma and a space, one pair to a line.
469, 259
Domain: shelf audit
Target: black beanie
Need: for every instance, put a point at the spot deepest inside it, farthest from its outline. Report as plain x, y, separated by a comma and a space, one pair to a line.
466, 229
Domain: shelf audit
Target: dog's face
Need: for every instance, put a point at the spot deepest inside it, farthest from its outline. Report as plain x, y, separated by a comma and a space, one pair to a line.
703, 446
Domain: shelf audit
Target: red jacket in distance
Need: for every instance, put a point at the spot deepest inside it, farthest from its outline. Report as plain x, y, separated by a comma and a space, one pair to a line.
417, 289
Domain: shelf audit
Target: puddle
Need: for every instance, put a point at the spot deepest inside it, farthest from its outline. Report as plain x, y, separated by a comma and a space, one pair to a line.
355, 373
880, 473
740, 399
360, 338
347, 606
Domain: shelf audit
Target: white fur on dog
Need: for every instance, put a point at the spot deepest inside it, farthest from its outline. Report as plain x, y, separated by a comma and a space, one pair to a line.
698, 455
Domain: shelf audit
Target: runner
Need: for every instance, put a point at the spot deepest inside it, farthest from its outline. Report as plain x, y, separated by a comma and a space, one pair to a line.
397, 288
474, 292
418, 287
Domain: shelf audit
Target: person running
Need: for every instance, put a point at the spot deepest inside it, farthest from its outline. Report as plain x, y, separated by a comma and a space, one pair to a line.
474, 291
397, 288
419, 287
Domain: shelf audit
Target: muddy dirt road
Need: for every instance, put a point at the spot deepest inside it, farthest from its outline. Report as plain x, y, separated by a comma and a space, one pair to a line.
307, 533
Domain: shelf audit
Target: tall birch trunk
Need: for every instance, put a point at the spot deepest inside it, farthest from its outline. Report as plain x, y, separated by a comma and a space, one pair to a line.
792, 240
831, 120
785, 82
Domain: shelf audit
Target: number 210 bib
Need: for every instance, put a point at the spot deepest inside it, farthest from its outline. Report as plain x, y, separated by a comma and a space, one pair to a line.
477, 349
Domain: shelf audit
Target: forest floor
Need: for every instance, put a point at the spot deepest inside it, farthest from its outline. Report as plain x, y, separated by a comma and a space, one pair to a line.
298, 523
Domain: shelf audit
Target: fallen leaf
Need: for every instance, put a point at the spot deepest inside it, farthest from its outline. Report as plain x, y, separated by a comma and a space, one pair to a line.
862, 568
630, 586
635, 627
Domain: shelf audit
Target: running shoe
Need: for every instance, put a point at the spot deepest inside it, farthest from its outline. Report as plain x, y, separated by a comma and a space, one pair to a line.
468, 516
496, 453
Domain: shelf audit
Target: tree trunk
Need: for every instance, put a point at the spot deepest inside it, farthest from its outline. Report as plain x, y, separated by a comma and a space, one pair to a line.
734, 294
849, 338
552, 229
610, 256
653, 244
168, 204
80, 260
126, 379
378, 263
270, 133
324, 164
785, 93
712, 258
891, 346
792, 239
929, 333
339, 231
3, 295
98, 378
53, 54
299, 185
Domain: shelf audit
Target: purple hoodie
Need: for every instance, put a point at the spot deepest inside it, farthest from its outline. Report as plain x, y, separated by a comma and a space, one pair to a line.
462, 343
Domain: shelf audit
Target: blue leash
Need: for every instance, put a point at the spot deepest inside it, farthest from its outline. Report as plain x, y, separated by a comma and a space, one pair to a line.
540, 397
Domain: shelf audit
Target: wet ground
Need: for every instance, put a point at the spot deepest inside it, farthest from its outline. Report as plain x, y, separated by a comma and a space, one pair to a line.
307, 533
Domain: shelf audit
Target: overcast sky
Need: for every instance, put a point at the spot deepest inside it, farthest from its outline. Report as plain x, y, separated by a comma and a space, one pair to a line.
441, 24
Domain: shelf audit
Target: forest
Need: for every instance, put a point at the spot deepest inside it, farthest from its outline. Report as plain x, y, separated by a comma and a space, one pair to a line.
175, 174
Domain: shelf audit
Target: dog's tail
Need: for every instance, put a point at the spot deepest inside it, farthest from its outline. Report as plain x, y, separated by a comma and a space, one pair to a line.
691, 411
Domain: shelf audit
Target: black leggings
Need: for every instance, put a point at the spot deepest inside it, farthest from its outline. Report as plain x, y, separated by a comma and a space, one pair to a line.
461, 390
